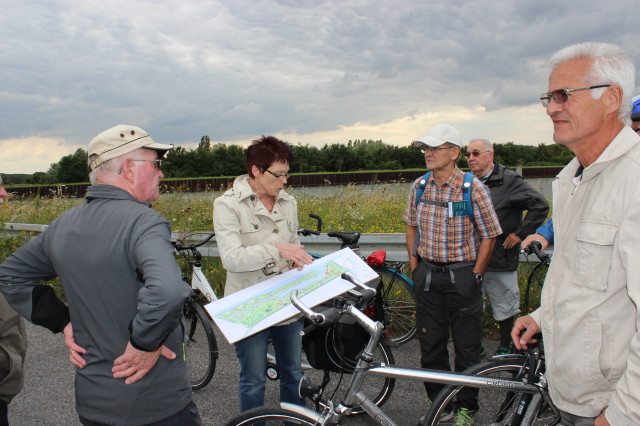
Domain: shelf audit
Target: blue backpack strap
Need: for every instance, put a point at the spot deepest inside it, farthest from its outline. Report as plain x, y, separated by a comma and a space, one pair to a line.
466, 193
421, 186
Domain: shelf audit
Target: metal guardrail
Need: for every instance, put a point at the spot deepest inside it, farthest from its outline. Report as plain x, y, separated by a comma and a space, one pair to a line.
393, 244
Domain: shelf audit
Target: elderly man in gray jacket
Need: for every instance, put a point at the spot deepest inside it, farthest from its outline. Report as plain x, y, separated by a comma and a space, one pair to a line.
511, 197
122, 285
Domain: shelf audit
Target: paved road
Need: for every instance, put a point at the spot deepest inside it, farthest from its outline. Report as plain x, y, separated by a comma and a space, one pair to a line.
47, 398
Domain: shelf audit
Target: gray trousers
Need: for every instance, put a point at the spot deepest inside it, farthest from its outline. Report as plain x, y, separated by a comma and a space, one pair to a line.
568, 419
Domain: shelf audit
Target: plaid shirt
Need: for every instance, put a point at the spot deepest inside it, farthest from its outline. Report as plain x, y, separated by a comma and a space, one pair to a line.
446, 239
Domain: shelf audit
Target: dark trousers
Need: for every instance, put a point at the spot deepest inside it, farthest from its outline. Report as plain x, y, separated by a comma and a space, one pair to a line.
188, 416
449, 306
4, 414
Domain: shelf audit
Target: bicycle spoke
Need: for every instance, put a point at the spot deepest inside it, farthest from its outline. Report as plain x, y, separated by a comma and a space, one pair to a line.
399, 305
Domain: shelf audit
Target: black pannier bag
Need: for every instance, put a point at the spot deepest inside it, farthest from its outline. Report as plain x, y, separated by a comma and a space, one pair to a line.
337, 347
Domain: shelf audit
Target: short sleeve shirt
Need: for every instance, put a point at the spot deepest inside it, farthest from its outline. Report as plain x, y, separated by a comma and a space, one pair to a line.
445, 239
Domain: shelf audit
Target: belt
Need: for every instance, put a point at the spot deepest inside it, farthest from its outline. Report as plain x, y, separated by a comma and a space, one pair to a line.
439, 264
442, 267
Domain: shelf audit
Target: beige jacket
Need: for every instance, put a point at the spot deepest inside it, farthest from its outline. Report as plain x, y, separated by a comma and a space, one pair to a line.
246, 234
589, 311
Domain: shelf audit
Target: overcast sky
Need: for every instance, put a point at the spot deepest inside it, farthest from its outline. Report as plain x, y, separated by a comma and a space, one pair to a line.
308, 71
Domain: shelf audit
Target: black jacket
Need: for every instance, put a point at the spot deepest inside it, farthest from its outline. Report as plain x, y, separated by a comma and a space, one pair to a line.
511, 197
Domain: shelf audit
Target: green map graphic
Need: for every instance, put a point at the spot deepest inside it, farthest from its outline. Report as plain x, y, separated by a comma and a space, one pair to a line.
250, 313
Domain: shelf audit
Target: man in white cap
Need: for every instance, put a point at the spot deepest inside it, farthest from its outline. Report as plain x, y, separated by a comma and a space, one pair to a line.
451, 231
122, 285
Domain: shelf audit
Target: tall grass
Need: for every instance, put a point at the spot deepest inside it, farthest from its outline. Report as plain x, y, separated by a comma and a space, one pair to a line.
364, 208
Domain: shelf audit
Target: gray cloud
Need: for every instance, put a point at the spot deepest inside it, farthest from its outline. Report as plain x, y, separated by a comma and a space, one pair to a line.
236, 69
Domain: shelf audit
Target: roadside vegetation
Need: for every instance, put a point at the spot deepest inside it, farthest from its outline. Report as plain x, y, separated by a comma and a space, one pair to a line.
364, 208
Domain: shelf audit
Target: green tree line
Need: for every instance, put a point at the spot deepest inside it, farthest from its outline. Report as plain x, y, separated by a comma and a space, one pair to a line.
217, 159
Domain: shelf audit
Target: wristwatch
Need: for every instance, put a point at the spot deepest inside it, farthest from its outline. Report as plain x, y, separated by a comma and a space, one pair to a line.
479, 278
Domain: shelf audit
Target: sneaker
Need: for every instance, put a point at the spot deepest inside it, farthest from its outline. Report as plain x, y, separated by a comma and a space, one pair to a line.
463, 417
447, 415
503, 350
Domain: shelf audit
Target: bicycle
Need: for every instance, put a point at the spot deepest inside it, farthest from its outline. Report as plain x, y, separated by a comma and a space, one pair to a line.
520, 379
200, 347
397, 289
537, 274
342, 351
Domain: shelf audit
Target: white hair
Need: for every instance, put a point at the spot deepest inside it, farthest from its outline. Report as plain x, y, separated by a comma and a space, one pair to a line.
611, 65
485, 143
98, 174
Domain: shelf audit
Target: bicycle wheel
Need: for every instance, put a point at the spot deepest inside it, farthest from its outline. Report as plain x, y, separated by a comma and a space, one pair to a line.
201, 346
379, 389
497, 406
399, 301
535, 282
270, 417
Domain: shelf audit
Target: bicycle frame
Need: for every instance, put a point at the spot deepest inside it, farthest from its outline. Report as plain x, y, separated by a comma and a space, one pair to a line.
199, 282
354, 396
397, 270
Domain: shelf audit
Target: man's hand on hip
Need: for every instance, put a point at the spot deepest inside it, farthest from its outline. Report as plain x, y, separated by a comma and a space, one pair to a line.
75, 351
134, 364
511, 241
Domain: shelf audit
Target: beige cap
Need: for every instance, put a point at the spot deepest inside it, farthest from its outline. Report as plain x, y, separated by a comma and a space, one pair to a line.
440, 134
119, 140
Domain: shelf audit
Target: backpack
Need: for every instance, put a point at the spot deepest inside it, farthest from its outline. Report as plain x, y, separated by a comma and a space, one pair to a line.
466, 191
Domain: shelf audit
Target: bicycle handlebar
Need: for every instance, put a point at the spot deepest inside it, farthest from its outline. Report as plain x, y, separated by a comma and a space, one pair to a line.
306, 232
314, 317
536, 248
357, 299
366, 293
180, 247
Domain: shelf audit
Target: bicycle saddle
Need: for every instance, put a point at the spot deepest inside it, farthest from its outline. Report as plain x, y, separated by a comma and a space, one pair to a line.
347, 238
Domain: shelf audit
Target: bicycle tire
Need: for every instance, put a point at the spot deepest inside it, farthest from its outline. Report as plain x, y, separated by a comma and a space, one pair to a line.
536, 276
270, 417
399, 301
339, 382
201, 346
497, 406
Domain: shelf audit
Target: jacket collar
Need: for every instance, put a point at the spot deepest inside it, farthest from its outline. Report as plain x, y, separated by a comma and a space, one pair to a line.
110, 192
624, 142
497, 175
242, 190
